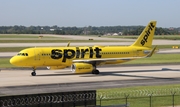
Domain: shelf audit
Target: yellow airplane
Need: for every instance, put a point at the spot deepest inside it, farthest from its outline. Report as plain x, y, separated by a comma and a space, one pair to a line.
85, 59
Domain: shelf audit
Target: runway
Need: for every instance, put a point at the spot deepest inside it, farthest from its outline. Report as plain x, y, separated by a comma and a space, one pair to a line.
64, 80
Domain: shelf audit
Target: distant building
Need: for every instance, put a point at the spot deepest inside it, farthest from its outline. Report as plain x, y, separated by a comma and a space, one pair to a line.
171, 28
120, 33
51, 29
115, 34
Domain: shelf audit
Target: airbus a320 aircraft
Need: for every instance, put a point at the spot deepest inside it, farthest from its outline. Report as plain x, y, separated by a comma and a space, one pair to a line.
85, 59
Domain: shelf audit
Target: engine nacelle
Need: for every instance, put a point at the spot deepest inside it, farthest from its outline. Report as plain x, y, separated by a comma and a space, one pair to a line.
81, 68
55, 67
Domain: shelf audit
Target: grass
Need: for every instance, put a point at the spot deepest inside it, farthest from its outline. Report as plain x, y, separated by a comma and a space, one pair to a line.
4, 63
11, 49
156, 101
166, 37
157, 59
23, 36
141, 90
167, 46
140, 96
53, 41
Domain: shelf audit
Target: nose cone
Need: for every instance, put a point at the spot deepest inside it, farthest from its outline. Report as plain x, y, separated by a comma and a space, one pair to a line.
14, 61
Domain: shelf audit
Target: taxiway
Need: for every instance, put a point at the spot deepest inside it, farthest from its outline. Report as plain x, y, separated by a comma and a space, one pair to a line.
21, 82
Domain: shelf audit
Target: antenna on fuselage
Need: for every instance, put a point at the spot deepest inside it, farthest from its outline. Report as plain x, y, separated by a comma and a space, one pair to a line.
68, 44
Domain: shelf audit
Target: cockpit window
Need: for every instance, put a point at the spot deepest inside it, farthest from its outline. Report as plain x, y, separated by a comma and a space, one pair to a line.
22, 54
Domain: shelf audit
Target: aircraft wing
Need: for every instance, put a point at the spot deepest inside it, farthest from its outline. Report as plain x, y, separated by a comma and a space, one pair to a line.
114, 59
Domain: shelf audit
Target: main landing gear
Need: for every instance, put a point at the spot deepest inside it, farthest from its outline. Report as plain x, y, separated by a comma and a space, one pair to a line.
95, 71
33, 73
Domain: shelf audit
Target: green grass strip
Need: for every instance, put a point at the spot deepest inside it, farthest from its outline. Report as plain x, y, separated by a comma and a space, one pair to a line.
11, 49
157, 59
24, 36
140, 96
53, 41
167, 46
165, 37
4, 63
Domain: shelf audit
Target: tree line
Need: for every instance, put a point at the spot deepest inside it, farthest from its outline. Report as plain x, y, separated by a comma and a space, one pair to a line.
103, 30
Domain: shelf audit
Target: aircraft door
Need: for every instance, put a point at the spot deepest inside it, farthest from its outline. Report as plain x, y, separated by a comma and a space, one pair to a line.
37, 54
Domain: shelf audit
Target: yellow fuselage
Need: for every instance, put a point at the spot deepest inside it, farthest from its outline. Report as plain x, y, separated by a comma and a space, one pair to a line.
63, 56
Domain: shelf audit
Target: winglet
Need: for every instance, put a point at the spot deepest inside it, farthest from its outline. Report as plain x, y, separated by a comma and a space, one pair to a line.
68, 44
151, 53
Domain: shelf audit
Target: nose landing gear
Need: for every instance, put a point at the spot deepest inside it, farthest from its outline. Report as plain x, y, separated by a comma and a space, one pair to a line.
34, 72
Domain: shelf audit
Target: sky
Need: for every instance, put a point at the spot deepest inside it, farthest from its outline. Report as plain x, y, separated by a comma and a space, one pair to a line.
82, 13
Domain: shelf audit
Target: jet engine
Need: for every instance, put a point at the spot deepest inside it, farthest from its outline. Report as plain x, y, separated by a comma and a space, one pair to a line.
81, 68
55, 67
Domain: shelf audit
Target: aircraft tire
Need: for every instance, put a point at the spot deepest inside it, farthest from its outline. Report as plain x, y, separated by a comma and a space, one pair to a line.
96, 72
33, 73
93, 72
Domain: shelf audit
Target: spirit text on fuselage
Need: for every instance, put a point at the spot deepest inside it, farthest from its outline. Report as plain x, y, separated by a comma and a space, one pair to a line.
75, 53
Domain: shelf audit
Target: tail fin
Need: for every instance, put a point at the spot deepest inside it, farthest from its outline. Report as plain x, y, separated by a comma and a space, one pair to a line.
146, 37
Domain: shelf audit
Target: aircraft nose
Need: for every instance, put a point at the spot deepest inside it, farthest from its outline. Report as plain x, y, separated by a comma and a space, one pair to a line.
14, 61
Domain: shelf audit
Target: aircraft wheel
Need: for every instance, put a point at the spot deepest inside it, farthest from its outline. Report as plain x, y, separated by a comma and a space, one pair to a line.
93, 72
33, 73
96, 72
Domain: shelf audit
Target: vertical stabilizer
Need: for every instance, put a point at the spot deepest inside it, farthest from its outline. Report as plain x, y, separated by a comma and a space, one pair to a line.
146, 37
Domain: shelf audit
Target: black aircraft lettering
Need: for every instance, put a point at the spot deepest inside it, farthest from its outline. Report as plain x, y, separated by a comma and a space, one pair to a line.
78, 53
56, 54
147, 33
